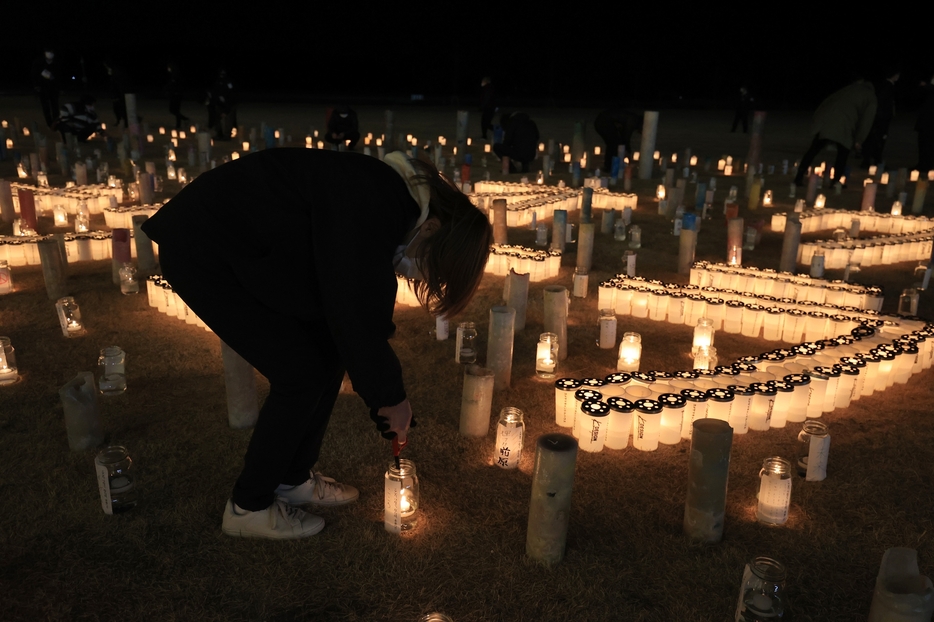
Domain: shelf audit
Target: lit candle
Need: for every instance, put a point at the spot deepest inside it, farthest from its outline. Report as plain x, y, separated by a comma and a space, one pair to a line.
565, 402
594, 425
774, 491
914, 176
546, 357
695, 407
510, 435
660, 192
646, 424
69, 316
630, 352
705, 358
767, 199
703, 334
820, 201
673, 407
619, 422
401, 497
760, 410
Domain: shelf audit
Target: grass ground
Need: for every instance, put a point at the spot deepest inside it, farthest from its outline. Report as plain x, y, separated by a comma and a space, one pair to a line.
626, 559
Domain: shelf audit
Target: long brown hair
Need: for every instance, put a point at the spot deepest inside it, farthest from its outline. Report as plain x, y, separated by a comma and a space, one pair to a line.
453, 259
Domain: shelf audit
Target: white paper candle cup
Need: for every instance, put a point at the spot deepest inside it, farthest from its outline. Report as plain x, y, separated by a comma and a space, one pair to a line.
695, 407
646, 423
594, 425
763, 401
783, 399
643, 378
583, 395
614, 385
774, 491
635, 392
819, 383
849, 375
719, 403
872, 373
741, 407
673, 406
801, 390
619, 422
565, 402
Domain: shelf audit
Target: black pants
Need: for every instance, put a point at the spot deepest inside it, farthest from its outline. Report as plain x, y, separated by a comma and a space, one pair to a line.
839, 165
298, 358
120, 111
486, 120
872, 149
741, 115
175, 109
925, 150
49, 102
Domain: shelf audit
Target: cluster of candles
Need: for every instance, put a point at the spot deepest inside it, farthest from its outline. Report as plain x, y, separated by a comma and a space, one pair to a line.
94, 197
754, 393
122, 217
820, 220
798, 287
162, 297
24, 251
538, 264
736, 312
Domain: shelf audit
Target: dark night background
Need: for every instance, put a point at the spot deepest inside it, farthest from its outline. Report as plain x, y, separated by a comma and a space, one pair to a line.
789, 54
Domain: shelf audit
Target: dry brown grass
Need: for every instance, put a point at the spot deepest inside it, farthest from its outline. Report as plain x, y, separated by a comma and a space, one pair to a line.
626, 556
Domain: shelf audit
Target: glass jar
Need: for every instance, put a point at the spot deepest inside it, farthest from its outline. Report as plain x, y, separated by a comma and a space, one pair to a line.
813, 450
908, 302
69, 316
635, 237
546, 355
465, 351
400, 509
510, 435
128, 283
116, 479
6, 277
705, 358
607, 339
619, 230
774, 491
8, 371
630, 352
762, 592
703, 334
112, 362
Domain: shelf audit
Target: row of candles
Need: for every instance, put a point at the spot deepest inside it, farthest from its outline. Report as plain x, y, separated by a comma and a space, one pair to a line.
95, 197
820, 220
769, 282
94, 245
164, 299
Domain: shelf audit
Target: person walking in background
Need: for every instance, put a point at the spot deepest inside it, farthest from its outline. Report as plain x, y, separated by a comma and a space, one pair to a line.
174, 90
487, 105
117, 91
743, 105
45, 82
925, 128
343, 127
616, 127
520, 141
842, 120
885, 112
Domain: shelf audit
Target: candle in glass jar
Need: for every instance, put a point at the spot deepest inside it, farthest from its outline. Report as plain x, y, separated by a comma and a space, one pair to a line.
546, 356
774, 491
630, 352
510, 435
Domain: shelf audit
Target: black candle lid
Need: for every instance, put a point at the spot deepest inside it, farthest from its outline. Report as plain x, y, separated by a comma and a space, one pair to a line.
645, 377
797, 379
726, 370
856, 361
582, 395
720, 395
739, 389
862, 331
686, 374
910, 349
595, 408
735, 304
871, 357
671, 400
648, 406
883, 354
706, 372
781, 385
619, 377
663, 375
784, 352
592, 382
567, 384
763, 388
827, 343
620, 404
849, 370
773, 356
742, 366
693, 395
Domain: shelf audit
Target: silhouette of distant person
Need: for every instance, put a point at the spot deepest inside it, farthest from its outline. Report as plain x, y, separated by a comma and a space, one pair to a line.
843, 120
925, 128
885, 112
743, 106
45, 82
174, 90
487, 105
520, 141
118, 89
222, 106
616, 127
343, 127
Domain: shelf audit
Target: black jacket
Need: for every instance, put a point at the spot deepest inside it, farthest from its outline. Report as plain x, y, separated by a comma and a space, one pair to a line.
521, 135
312, 234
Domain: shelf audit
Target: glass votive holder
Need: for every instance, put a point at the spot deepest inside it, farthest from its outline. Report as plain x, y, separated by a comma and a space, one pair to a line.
761, 594
401, 499
69, 316
813, 450
510, 436
112, 363
546, 355
116, 479
630, 352
774, 491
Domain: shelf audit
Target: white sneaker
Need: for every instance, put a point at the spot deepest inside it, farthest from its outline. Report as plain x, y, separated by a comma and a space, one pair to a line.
318, 490
278, 522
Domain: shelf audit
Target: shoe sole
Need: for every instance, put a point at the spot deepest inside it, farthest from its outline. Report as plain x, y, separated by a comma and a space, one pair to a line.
237, 533
326, 504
